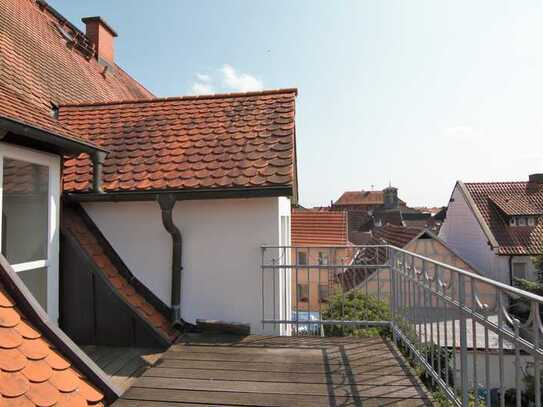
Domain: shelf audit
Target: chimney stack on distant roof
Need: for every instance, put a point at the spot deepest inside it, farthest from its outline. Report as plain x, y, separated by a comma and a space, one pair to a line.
536, 178
102, 36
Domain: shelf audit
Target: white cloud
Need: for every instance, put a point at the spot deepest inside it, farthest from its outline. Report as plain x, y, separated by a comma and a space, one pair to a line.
239, 82
203, 77
199, 88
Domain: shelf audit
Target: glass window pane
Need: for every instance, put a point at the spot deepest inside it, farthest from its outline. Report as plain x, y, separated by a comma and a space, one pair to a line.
36, 281
25, 215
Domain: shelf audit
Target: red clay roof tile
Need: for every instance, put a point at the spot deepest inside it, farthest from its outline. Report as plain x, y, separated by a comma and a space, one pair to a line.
319, 228
220, 141
398, 236
511, 198
40, 67
32, 373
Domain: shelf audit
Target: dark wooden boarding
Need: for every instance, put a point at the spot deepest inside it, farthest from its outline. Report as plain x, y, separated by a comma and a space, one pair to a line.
123, 365
278, 371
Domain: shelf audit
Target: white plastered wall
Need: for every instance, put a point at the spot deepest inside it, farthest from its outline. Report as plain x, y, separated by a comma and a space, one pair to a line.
221, 251
463, 233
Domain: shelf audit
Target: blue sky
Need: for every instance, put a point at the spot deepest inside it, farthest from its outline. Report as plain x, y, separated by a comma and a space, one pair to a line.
416, 93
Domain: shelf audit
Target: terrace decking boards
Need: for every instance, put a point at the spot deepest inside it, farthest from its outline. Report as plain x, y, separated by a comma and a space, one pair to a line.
277, 371
122, 364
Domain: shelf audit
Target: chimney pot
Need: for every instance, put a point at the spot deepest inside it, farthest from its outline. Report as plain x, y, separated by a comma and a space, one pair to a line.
536, 178
102, 36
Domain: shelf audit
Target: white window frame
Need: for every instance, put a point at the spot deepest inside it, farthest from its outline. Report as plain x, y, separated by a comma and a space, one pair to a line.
51, 161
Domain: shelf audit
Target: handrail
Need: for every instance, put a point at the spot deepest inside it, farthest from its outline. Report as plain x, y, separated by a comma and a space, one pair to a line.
452, 323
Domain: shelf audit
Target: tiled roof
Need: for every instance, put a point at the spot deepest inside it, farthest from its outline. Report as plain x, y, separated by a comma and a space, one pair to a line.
33, 372
513, 198
319, 228
398, 236
243, 140
363, 198
124, 287
519, 204
16, 107
39, 65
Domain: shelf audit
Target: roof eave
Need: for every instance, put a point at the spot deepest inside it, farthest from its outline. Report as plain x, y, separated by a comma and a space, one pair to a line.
187, 194
43, 137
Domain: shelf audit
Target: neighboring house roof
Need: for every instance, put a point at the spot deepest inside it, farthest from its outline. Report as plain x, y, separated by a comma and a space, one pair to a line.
363, 198
491, 202
398, 236
243, 140
319, 228
38, 362
46, 60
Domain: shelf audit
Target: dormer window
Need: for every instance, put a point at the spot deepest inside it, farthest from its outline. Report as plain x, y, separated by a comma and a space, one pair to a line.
522, 220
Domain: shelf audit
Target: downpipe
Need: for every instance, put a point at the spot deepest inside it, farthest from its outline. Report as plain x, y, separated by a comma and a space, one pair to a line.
167, 203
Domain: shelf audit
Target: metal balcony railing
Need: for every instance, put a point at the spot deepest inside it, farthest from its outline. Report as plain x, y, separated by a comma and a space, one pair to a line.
475, 340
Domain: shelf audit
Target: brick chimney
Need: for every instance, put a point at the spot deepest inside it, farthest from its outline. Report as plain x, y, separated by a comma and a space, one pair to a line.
102, 36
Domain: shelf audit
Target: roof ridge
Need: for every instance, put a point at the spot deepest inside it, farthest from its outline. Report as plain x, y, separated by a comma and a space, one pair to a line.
495, 182
183, 98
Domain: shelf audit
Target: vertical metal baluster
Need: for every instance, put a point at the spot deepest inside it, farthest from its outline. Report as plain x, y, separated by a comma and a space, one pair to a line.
296, 270
262, 270
439, 317
487, 367
454, 347
309, 271
474, 340
391, 259
432, 339
500, 346
446, 320
463, 340
423, 292
537, 371
274, 295
516, 324
343, 298
319, 300
285, 300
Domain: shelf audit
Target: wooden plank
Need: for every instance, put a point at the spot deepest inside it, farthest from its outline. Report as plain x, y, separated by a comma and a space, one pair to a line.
278, 367
105, 354
128, 369
279, 357
377, 378
346, 389
255, 399
251, 350
367, 403
145, 403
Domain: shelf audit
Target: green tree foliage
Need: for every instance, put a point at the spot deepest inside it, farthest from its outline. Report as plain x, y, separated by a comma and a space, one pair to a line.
352, 306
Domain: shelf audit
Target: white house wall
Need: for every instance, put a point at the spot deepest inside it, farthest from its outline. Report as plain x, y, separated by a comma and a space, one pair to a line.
463, 233
221, 251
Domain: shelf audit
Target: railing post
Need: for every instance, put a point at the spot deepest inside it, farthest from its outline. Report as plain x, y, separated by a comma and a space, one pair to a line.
393, 300
463, 340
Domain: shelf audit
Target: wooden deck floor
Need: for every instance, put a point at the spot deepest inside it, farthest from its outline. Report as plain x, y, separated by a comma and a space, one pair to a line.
123, 365
277, 371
